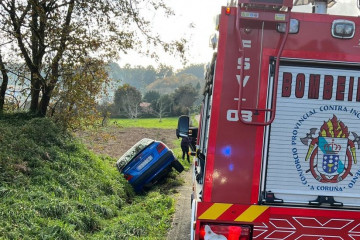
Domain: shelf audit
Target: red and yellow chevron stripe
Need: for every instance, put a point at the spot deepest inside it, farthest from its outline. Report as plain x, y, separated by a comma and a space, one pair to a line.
232, 212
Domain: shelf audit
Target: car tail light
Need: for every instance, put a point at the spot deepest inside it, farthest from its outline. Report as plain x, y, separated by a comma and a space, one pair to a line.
222, 231
160, 147
128, 177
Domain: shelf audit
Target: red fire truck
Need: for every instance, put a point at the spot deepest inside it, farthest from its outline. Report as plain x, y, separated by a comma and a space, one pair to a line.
278, 144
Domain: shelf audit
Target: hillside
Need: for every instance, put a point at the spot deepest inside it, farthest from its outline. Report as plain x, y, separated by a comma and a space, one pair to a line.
163, 79
52, 187
168, 84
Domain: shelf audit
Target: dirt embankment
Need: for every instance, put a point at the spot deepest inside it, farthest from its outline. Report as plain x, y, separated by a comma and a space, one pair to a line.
114, 141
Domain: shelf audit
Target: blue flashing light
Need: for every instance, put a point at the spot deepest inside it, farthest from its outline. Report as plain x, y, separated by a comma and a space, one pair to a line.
231, 167
227, 151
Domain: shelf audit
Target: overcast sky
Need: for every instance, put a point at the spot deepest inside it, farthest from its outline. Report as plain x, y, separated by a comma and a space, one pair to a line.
194, 20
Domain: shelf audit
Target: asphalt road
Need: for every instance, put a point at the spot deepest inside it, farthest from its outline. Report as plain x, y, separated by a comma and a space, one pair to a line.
180, 229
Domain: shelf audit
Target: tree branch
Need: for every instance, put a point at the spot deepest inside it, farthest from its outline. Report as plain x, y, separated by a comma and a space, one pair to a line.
62, 47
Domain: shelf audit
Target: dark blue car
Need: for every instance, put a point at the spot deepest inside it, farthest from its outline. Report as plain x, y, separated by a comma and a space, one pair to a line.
146, 162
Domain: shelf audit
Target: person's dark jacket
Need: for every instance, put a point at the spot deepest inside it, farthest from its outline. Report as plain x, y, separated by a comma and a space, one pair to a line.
185, 142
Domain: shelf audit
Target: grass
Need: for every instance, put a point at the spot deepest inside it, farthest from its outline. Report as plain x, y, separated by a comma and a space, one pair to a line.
178, 154
52, 187
166, 123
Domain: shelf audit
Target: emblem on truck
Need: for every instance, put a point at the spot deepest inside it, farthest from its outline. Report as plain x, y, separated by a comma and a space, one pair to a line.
332, 153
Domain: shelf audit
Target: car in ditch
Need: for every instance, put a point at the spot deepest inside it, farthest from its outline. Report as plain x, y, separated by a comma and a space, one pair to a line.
146, 162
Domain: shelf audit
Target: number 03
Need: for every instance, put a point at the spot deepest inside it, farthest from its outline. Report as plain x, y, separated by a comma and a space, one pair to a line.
233, 116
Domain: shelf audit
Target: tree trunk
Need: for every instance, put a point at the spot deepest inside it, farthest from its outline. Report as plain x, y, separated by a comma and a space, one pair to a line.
45, 100
4, 84
47, 89
35, 93
103, 122
35, 83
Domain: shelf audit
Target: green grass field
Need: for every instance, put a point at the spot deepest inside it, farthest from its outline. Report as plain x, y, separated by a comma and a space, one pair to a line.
166, 123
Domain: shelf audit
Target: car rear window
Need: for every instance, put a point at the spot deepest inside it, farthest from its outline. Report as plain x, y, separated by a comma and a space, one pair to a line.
133, 151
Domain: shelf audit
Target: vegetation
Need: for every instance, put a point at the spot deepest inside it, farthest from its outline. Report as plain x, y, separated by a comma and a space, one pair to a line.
74, 99
184, 98
54, 62
166, 123
151, 97
162, 107
162, 79
52, 187
139, 76
196, 69
127, 100
55, 41
168, 84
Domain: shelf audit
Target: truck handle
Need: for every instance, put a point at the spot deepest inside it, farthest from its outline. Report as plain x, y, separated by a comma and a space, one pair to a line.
256, 110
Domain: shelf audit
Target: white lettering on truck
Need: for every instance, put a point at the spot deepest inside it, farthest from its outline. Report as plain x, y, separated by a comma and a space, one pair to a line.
232, 115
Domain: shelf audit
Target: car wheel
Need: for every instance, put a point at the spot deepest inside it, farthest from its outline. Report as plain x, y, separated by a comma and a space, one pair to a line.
178, 166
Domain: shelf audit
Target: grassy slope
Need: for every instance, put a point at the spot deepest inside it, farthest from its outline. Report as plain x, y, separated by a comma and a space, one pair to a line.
51, 187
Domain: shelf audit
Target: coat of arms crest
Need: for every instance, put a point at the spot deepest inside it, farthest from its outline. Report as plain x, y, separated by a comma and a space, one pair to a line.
332, 153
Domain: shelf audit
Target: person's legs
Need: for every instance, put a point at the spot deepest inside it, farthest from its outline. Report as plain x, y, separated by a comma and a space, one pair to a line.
187, 154
183, 152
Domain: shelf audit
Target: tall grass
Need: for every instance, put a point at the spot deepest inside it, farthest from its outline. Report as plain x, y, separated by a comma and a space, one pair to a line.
166, 123
52, 187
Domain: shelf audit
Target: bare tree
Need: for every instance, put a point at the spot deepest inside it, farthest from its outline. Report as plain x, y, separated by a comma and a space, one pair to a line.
162, 106
127, 100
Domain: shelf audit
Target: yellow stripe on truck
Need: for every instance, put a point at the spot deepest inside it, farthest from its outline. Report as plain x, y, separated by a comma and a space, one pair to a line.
251, 214
215, 211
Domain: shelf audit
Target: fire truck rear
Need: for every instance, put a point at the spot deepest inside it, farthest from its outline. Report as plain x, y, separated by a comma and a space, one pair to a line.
278, 144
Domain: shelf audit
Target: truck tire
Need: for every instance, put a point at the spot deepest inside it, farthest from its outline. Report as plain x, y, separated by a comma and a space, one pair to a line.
178, 166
